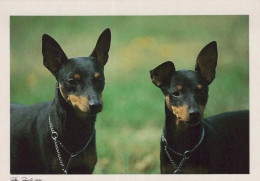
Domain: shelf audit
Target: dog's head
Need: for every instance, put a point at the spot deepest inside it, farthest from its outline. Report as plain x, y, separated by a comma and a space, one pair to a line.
81, 79
186, 91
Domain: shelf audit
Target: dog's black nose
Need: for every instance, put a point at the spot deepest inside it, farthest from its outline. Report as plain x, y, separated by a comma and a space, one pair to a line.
95, 106
194, 112
194, 117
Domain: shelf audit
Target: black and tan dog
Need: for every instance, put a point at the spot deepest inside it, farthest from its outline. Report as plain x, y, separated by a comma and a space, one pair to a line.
59, 136
189, 143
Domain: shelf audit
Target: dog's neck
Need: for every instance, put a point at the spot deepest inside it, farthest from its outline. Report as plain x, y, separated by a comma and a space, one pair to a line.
181, 137
74, 130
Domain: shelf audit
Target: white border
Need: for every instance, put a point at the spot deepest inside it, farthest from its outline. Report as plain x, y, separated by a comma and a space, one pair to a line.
134, 7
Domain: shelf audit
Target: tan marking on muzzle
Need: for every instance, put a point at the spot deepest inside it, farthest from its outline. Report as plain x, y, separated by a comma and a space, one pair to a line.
97, 75
167, 99
81, 102
181, 113
65, 96
199, 86
77, 76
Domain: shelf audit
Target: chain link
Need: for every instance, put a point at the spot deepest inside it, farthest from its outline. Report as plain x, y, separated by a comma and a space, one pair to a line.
54, 136
186, 155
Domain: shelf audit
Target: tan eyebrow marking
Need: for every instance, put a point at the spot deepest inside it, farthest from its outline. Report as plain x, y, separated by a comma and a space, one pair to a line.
77, 76
96, 75
199, 86
179, 87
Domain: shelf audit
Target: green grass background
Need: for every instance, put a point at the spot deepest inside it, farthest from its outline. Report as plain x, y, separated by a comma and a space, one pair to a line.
130, 125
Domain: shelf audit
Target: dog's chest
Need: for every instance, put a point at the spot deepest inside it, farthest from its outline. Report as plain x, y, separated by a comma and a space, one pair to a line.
85, 160
83, 163
198, 163
194, 169
189, 167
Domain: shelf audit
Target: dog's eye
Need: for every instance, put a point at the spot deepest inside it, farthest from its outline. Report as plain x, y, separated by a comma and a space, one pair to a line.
71, 82
100, 78
203, 92
176, 94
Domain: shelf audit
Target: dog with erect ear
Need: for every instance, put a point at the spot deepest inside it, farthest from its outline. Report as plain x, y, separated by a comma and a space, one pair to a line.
192, 144
58, 137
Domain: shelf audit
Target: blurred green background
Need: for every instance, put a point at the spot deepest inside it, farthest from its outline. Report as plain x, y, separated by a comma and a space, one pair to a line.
130, 125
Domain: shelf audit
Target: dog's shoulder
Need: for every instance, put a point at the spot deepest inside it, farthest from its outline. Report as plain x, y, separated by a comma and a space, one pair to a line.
29, 110
228, 122
226, 136
27, 118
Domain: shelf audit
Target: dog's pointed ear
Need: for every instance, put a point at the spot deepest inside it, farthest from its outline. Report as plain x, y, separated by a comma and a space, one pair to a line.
102, 47
161, 75
207, 61
53, 55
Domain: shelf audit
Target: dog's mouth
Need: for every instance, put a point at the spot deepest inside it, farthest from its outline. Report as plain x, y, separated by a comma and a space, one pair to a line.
88, 110
84, 105
188, 122
85, 113
193, 122
94, 111
194, 119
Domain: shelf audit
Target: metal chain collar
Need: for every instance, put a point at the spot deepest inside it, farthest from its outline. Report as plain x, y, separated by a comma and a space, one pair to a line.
186, 155
54, 136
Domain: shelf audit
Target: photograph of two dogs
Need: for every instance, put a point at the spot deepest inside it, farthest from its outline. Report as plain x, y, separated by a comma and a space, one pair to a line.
59, 137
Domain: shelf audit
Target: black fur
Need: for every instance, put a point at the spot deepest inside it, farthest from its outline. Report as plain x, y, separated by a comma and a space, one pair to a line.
225, 148
73, 118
